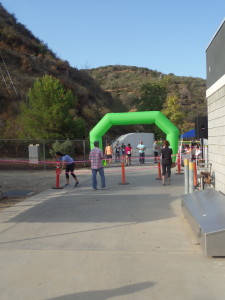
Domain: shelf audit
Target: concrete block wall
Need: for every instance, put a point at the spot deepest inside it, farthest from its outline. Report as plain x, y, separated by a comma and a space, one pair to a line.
216, 136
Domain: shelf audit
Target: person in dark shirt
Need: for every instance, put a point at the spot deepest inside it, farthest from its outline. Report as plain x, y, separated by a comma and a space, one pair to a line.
166, 161
123, 150
117, 152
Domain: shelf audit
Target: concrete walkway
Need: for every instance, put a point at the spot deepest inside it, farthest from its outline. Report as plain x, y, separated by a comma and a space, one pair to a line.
128, 242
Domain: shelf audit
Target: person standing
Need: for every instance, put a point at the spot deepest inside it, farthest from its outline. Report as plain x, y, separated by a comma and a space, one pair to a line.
96, 157
198, 153
109, 153
117, 152
68, 162
141, 149
123, 150
160, 146
156, 151
128, 152
187, 152
166, 161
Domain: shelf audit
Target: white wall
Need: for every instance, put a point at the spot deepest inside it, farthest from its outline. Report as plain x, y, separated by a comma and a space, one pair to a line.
216, 133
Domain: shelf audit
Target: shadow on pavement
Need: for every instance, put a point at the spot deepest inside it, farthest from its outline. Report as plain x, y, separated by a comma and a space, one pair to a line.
106, 294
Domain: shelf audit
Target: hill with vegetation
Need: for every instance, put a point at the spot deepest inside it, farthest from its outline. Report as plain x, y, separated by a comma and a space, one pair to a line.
126, 82
24, 59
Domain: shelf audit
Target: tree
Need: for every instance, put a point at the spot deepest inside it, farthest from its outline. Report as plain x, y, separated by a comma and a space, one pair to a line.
172, 110
50, 112
153, 95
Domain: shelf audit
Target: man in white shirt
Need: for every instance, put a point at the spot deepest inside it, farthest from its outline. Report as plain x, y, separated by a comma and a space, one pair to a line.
141, 147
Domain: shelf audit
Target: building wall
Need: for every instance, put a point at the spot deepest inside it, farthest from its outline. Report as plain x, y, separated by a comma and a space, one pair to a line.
216, 133
215, 94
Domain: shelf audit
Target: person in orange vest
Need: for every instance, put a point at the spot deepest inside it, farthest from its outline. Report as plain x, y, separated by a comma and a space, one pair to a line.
109, 153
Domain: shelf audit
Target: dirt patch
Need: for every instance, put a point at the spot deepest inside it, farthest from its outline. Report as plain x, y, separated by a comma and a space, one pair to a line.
36, 181
7, 202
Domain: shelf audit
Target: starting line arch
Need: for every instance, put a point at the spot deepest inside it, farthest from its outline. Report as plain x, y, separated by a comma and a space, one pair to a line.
132, 118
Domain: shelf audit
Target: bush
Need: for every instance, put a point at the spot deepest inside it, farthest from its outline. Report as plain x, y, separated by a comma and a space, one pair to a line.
66, 147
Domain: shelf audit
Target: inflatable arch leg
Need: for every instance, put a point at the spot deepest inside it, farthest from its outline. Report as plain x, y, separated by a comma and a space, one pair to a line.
132, 118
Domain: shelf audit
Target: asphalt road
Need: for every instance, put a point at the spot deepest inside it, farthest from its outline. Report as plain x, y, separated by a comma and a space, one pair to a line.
127, 242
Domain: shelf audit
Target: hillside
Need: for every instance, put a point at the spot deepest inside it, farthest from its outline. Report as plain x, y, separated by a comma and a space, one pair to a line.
124, 82
24, 59
93, 102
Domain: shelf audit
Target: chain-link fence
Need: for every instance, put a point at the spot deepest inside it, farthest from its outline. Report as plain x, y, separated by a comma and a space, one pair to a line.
15, 153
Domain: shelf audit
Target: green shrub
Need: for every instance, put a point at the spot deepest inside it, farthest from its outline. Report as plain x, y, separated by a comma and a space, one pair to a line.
66, 147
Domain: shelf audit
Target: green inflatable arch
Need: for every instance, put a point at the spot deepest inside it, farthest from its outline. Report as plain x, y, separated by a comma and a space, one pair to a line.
143, 117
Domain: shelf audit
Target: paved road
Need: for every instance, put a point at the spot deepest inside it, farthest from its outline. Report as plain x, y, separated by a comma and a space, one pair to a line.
128, 242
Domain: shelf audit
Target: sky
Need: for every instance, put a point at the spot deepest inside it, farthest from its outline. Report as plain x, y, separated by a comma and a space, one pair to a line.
166, 36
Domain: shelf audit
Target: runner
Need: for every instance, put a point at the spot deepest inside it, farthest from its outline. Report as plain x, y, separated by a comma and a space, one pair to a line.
128, 151
109, 153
